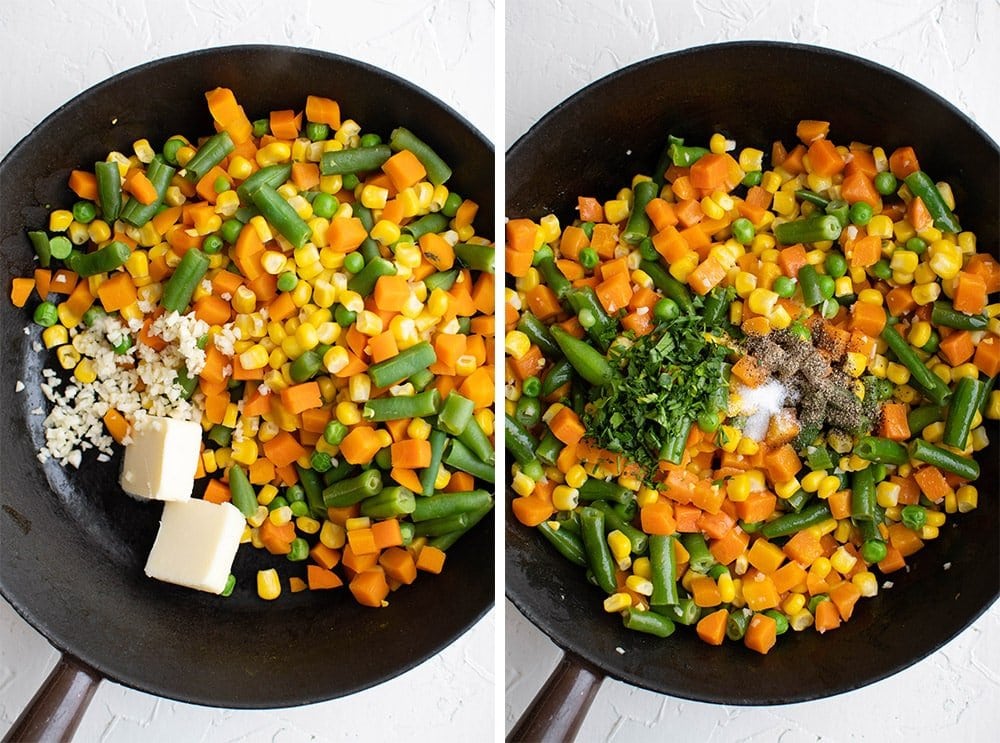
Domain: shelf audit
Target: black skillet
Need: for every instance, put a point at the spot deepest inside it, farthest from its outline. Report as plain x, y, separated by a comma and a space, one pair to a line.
595, 141
73, 545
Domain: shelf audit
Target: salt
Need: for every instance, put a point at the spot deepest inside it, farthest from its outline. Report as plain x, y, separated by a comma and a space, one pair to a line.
759, 404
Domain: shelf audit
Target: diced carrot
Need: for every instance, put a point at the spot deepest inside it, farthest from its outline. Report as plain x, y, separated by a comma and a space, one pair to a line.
387, 534
116, 424
859, 186
320, 578
261, 471
431, 559
868, 318
824, 159
345, 234
63, 281
707, 275
793, 162
899, 300
987, 358
404, 169
323, 111
866, 251
217, 491
840, 504
369, 588
531, 510
688, 212
711, 628
398, 565
782, 463
543, 302
917, 214
229, 115
669, 243
517, 263
932, 483
614, 292
904, 539
84, 184
844, 596
761, 634
730, 546
604, 239
277, 539
827, 617
299, 397
20, 290
43, 281
903, 162
760, 594
809, 130
283, 449
705, 592
757, 506
986, 266
957, 348
658, 518
438, 251
803, 547
970, 293
893, 424
117, 291
362, 541
749, 371
589, 209
478, 387
788, 576
892, 561
715, 171
285, 124
520, 234
566, 426
411, 454
791, 259
360, 445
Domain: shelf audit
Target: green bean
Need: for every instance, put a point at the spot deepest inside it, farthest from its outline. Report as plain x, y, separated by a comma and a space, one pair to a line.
353, 490
667, 284
588, 362
700, 558
108, 258
159, 174
595, 544
538, 333
281, 215
928, 381
180, 287
813, 198
369, 248
584, 300
567, 544
109, 190
442, 526
663, 565
455, 413
797, 500
429, 474
886, 451
649, 622
241, 491
210, 154
962, 409
984, 394
458, 455
919, 418
594, 488
311, 484
809, 230
40, 242
269, 175
685, 611
551, 275
446, 540
863, 495
389, 503
403, 139
736, 624
684, 157
443, 280
402, 365
964, 467
421, 379
612, 520
548, 448
920, 184
638, 224
447, 504
790, 523
477, 257
672, 448
306, 366
433, 222
219, 434
477, 442
364, 282
354, 160
559, 374
339, 472
944, 315
812, 293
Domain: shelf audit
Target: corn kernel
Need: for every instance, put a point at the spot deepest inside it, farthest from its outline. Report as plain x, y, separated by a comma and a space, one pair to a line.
866, 582
801, 620
727, 588
828, 486
522, 484
787, 489
516, 344
616, 210
617, 602
967, 498
576, 476
268, 584
60, 220
55, 335
273, 153
880, 226
332, 535
642, 586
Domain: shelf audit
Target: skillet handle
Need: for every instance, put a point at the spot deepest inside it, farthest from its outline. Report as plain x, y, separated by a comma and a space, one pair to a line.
558, 710
58, 706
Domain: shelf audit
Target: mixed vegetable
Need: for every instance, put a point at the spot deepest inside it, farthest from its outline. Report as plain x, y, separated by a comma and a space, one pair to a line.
318, 300
735, 393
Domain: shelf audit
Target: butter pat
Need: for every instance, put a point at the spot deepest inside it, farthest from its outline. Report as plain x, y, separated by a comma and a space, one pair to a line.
196, 544
161, 460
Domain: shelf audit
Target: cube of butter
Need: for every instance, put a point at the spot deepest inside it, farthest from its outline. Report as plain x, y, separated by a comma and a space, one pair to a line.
196, 544
162, 458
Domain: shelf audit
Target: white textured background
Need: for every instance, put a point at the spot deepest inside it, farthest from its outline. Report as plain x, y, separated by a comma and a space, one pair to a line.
554, 49
51, 50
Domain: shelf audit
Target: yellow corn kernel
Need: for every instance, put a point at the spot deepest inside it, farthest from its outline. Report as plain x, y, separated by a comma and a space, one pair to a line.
516, 344
617, 602
841, 560
745, 283
99, 231
904, 261
640, 585
787, 489
887, 494
60, 220
980, 440
54, 336
646, 497
275, 152
727, 589
254, 358
811, 482
751, 159
621, 548
855, 364
266, 494
906, 394
920, 333
85, 373
762, 301
770, 181
712, 209
738, 488
785, 204
231, 415
967, 498
348, 413
522, 484
880, 226
576, 476
262, 228
866, 582
359, 387
993, 406
729, 438
374, 197
684, 266
245, 451
897, 373
268, 584
793, 603
801, 620
828, 486
616, 210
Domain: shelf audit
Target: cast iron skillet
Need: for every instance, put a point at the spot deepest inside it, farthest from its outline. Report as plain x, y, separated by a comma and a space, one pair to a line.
591, 144
74, 546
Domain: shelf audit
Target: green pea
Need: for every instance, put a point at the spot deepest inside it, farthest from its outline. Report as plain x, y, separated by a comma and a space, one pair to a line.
287, 281
874, 550
91, 315
914, 517
212, 244
917, 244
531, 387
46, 314
528, 411
277, 502
885, 183
231, 230
881, 270
827, 286
932, 344
743, 231
829, 309
320, 461
354, 262
800, 331
451, 204
221, 184
588, 229
784, 287
780, 620
370, 140
261, 127
317, 132
647, 251
351, 181
344, 316
589, 259
295, 493
324, 205
123, 345
835, 265
861, 213
709, 422
752, 178
60, 247
300, 548
300, 508
84, 212
334, 433
170, 148
666, 309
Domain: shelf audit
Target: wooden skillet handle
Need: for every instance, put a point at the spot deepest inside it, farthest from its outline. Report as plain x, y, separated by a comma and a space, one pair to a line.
558, 710
58, 706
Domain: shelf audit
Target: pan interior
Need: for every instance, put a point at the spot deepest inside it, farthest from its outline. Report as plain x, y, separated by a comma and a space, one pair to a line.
592, 144
73, 545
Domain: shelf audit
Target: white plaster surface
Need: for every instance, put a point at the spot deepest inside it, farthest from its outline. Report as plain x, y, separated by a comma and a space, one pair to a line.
52, 50
554, 48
